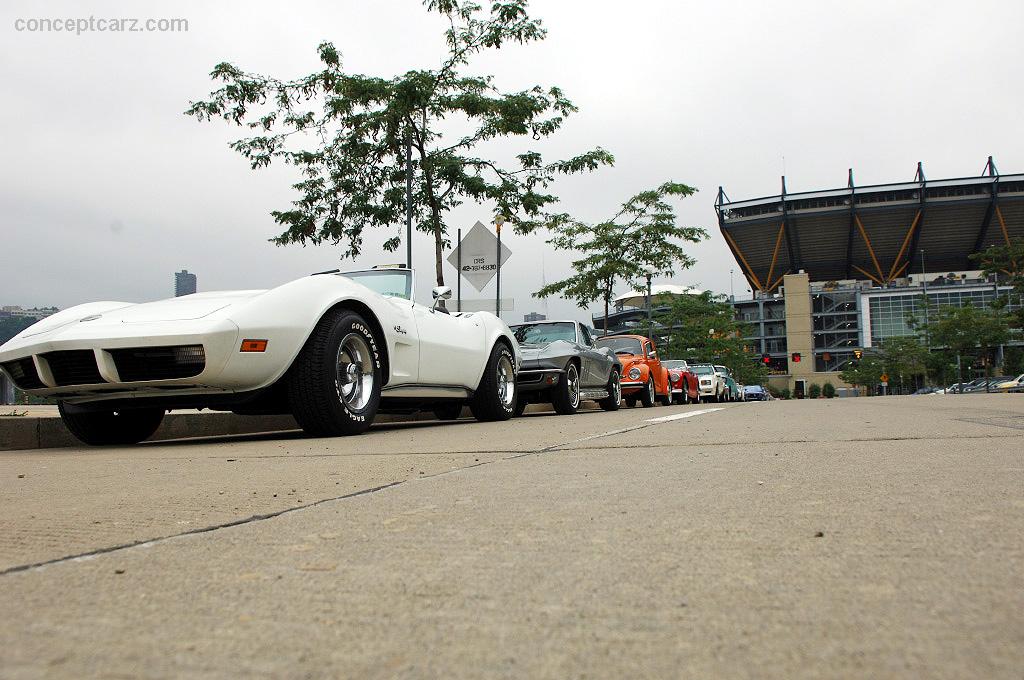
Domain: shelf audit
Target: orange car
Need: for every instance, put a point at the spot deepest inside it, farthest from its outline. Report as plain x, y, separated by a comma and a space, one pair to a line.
643, 376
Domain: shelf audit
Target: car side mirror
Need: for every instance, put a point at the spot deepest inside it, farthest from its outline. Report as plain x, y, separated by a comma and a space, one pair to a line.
440, 294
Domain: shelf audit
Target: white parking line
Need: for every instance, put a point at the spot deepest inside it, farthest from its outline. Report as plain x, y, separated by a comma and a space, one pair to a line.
638, 426
688, 414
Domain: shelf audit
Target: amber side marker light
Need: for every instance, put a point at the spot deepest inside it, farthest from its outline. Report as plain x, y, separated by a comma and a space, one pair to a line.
254, 346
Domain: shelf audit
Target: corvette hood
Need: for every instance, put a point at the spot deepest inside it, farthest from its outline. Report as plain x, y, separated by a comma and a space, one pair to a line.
183, 308
116, 313
535, 356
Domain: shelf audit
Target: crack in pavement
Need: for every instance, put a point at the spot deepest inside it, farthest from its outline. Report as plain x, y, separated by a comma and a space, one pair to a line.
201, 530
270, 515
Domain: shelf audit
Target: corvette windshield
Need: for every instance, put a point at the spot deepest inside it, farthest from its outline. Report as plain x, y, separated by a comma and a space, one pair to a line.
622, 345
544, 333
389, 282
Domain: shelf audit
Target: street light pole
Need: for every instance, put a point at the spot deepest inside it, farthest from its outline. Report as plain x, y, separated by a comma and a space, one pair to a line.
650, 321
924, 288
732, 293
408, 199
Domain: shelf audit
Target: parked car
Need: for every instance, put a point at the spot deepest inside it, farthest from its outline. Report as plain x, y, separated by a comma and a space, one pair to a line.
755, 393
644, 378
1012, 383
332, 349
684, 383
732, 388
741, 392
986, 384
713, 386
563, 366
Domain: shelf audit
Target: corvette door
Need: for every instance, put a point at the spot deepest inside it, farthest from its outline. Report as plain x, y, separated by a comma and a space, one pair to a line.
595, 364
451, 348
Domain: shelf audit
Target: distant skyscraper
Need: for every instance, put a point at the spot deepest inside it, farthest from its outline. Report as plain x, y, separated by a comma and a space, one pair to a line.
534, 316
184, 283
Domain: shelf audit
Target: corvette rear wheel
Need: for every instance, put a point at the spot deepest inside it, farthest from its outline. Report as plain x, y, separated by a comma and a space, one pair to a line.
495, 398
334, 385
614, 398
567, 392
647, 394
110, 428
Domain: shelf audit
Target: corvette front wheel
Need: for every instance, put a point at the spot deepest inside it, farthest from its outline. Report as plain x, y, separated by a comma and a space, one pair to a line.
111, 428
495, 397
566, 397
334, 385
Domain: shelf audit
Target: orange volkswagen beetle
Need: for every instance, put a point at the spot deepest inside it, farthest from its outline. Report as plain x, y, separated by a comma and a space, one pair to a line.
643, 376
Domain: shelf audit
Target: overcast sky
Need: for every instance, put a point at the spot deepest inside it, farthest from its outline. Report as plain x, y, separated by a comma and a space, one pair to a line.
106, 188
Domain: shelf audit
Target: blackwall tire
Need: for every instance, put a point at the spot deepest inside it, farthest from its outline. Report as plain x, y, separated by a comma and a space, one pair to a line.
495, 397
335, 383
111, 428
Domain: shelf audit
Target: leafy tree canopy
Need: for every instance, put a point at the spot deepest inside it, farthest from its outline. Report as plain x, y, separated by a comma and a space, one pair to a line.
702, 328
347, 134
1007, 263
641, 238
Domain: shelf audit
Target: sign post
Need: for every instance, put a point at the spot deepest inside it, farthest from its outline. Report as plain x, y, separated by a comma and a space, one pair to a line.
458, 277
885, 383
498, 221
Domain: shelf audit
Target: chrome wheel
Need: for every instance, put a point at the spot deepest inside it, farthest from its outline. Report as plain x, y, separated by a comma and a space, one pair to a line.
572, 380
354, 371
616, 390
506, 382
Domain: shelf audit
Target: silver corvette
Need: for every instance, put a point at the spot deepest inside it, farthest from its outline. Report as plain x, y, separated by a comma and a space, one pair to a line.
562, 366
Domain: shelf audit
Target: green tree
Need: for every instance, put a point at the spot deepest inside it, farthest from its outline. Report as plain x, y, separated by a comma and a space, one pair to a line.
703, 328
865, 372
1007, 263
969, 331
640, 238
904, 358
359, 126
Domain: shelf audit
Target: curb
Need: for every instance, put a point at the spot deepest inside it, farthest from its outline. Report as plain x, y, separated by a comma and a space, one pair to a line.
31, 432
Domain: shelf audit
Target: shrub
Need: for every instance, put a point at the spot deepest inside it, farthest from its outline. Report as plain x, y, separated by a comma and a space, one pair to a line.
828, 390
814, 391
784, 393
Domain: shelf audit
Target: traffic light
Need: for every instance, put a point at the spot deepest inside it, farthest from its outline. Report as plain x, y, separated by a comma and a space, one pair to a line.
766, 359
796, 357
858, 353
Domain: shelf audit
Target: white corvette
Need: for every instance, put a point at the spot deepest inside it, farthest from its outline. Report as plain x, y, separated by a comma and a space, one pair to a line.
332, 349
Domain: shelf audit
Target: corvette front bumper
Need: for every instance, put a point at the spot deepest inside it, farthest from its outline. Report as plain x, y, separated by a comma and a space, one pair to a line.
79, 363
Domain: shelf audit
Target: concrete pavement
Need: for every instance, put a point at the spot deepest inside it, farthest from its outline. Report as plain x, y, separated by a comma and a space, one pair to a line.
844, 538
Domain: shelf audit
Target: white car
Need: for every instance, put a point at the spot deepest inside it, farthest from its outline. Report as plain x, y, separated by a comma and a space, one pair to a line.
332, 349
713, 386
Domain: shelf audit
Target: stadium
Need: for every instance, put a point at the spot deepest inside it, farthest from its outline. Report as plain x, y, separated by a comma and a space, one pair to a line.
835, 271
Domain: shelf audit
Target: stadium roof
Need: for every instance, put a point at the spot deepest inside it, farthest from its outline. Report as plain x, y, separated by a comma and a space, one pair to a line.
872, 232
638, 298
